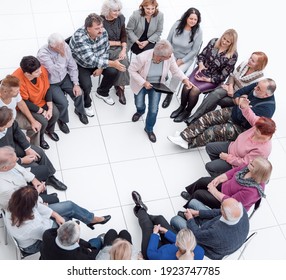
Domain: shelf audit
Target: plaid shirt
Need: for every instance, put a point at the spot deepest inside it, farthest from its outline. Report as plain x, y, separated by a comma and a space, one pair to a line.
90, 53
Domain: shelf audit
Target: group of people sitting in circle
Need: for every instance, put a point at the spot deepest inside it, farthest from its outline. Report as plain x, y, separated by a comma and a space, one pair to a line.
237, 136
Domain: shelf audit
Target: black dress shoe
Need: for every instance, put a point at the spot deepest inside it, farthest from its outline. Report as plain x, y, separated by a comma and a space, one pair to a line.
63, 127
106, 219
151, 136
54, 182
44, 144
138, 200
136, 117
182, 215
53, 136
185, 114
185, 195
167, 100
177, 112
189, 120
120, 93
82, 117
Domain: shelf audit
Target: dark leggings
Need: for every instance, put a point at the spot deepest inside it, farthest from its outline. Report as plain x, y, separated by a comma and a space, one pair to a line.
189, 98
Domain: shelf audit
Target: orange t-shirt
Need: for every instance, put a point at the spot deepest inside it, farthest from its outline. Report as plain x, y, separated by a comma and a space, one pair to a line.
33, 92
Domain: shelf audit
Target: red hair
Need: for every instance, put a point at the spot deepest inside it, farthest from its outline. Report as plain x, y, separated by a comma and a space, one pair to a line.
266, 126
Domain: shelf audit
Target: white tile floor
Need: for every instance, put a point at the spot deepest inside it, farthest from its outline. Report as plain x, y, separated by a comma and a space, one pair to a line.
104, 161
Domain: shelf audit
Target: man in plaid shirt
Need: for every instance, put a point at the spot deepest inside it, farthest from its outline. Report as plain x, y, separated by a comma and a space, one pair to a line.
89, 46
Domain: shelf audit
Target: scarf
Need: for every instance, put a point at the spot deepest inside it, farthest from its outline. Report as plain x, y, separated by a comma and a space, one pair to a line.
242, 80
249, 182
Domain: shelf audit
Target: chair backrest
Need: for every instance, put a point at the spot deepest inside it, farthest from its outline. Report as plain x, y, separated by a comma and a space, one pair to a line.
256, 206
241, 249
67, 40
20, 254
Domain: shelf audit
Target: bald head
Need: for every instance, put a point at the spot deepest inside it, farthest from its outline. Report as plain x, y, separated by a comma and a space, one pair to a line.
232, 210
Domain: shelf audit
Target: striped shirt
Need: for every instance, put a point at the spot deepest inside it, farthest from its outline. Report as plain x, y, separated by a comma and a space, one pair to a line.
90, 53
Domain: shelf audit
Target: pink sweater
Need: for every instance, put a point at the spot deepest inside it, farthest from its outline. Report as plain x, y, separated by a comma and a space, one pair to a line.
246, 195
244, 149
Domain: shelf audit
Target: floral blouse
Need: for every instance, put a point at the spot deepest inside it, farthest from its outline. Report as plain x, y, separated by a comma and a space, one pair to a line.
218, 65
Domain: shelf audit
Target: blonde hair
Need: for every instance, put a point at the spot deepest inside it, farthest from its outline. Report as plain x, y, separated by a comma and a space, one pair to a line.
262, 170
233, 46
186, 243
121, 249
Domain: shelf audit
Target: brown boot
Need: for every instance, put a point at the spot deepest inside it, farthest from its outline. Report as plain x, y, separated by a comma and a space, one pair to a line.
120, 93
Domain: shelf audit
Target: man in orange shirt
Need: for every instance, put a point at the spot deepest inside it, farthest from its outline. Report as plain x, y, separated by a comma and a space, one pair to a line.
35, 91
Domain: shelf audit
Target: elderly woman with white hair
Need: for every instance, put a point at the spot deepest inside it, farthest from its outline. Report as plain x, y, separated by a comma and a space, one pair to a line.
152, 66
114, 24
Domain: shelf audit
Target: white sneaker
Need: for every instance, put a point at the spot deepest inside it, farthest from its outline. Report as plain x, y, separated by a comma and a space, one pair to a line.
108, 100
89, 111
178, 140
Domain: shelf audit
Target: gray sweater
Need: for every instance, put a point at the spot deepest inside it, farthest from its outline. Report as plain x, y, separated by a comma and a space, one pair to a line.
217, 237
181, 46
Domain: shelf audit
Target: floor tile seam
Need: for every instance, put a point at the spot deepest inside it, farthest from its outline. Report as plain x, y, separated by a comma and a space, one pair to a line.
265, 228
272, 211
34, 24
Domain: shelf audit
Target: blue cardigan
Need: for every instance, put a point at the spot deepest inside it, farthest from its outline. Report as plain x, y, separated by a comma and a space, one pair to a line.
168, 251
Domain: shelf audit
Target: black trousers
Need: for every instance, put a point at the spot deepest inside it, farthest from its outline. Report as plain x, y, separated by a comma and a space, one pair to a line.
43, 168
199, 190
147, 223
109, 77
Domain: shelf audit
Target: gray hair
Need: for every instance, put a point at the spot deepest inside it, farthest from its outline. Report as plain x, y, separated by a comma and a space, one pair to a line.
54, 39
163, 48
233, 209
6, 152
68, 233
110, 5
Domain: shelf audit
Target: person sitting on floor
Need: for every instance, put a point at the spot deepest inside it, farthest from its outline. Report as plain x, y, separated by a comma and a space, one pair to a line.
64, 243
245, 183
30, 218
219, 231
159, 241
28, 155
56, 57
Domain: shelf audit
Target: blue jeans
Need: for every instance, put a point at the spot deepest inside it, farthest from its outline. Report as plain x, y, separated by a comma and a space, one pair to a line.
95, 242
68, 210
153, 103
178, 222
